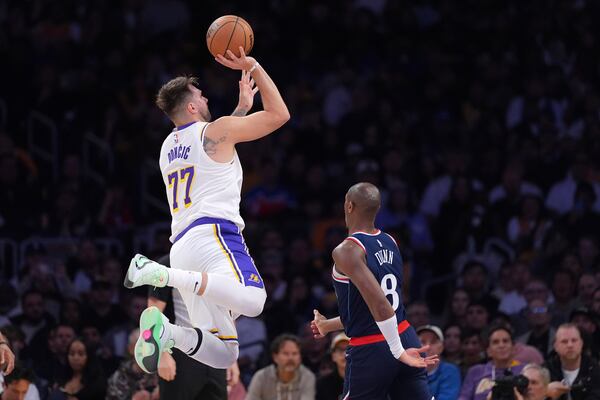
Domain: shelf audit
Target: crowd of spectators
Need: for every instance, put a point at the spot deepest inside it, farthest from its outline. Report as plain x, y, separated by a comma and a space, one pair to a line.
478, 120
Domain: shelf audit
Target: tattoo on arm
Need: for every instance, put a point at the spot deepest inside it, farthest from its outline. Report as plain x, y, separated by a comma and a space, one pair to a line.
210, 145
238, 112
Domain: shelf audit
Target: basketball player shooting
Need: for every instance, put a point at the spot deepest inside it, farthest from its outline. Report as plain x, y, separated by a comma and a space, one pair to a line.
367, 277
209, 258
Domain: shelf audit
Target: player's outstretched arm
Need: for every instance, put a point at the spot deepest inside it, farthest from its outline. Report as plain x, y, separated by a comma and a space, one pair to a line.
349, 260
256, 125
321, 326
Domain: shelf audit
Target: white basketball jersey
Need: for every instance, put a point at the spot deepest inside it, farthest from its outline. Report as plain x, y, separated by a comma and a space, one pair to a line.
198, 186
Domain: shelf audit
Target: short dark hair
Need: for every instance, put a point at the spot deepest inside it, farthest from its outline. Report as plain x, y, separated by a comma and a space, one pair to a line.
281, 339
173, 93
471, 265
18, 373
469, 333
31, 292
565, 272
453, 324
480, 303
498, 327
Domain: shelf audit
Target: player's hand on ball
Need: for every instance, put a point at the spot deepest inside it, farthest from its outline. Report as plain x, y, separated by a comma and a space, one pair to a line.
413, 358
247, 91
242, 62
167, 368
317, 325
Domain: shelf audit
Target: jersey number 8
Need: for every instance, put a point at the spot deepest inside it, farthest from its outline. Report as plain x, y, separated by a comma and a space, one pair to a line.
389, 284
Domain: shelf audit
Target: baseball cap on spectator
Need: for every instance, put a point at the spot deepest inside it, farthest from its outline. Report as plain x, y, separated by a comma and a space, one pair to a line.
340, 337
581, 311
431, 328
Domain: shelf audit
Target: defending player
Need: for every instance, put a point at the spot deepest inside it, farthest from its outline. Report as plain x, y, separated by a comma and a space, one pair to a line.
368, 278
209, 258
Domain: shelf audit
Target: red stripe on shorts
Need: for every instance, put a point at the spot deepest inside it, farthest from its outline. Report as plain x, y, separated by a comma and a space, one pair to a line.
376, 338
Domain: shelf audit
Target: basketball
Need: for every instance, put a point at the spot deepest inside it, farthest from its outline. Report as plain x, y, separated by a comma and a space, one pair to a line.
229, 32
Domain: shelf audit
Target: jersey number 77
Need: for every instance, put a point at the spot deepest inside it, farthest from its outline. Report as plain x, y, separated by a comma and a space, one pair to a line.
176, 179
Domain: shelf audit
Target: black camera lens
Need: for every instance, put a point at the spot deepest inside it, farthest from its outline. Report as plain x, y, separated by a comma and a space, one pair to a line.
504, 387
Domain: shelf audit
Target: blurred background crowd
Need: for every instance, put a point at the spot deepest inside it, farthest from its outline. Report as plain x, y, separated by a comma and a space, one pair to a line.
478, 120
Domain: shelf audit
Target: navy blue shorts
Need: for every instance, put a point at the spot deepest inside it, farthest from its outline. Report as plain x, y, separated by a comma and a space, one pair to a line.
372, 373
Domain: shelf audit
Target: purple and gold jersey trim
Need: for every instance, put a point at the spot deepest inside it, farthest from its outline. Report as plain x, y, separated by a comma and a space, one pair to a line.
182, 127
233, 242
201, 221
227, 252
230, 240
215, 332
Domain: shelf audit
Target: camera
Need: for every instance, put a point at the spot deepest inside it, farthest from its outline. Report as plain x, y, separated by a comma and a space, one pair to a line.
504, 387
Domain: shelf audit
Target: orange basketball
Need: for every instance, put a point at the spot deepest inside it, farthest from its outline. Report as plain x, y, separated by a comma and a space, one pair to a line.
229, 32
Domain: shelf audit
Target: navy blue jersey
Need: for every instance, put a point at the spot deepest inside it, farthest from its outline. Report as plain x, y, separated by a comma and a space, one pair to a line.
384, 261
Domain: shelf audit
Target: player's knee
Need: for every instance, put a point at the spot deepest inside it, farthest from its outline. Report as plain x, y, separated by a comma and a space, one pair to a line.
230, 358
256, 303
255, 309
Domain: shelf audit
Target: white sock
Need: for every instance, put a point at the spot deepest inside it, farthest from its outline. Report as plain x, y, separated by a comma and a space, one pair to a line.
188, 281
186, 339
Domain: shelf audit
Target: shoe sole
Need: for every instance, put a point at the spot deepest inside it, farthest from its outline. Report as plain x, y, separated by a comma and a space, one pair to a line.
126, 282
147, 348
